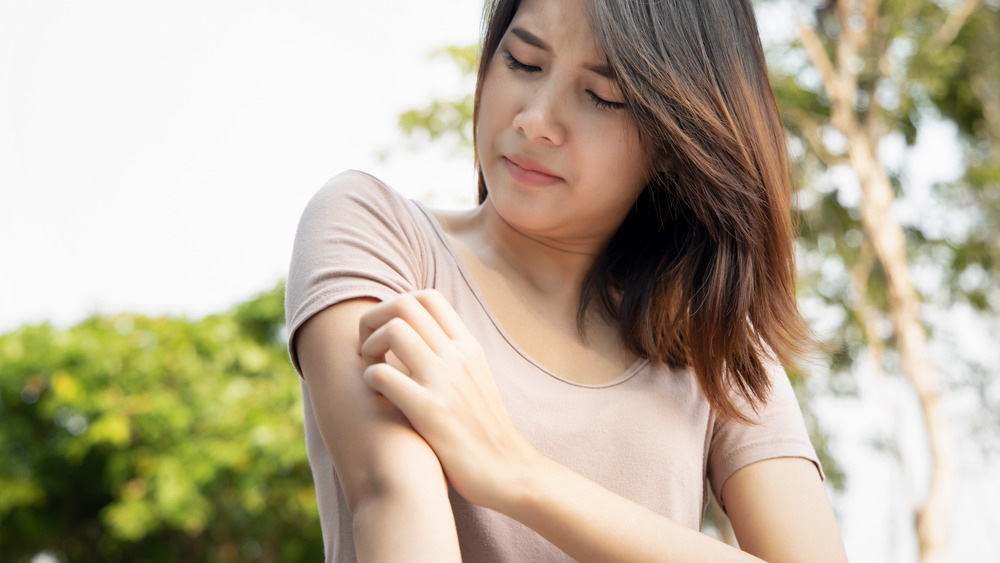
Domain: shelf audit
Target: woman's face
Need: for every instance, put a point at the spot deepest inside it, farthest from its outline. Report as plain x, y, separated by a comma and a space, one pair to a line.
559, 152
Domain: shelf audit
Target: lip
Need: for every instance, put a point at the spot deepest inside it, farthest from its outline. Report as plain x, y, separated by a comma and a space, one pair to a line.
526, 170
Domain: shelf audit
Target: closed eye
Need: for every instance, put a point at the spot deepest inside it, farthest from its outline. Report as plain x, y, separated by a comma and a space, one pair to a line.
605, 104
515, 64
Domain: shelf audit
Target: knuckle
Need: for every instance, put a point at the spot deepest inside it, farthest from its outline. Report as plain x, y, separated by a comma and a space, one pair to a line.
395, 327
429, 295
406, 303
470, 349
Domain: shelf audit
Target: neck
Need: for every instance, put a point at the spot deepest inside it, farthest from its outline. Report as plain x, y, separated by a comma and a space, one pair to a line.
532, 283
553, 268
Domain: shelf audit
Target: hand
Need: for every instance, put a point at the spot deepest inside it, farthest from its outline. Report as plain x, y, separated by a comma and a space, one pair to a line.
449, 396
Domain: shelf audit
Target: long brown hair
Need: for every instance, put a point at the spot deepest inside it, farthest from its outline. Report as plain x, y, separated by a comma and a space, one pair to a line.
701, 272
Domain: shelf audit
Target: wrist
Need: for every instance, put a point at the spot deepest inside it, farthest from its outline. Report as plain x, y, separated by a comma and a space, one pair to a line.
523, 485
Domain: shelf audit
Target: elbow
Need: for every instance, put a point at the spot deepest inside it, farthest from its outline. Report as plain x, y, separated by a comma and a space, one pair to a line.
404, 481
398, 516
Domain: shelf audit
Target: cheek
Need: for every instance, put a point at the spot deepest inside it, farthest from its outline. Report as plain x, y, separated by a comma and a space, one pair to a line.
628, 167
633, 154
492, 95
623, 156
486, 120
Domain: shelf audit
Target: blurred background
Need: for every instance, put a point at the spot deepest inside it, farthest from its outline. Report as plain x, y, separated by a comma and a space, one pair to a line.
154, 159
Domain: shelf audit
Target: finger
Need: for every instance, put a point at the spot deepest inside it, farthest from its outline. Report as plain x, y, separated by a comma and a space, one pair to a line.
409, 309
399, 337
443, 314
406, 394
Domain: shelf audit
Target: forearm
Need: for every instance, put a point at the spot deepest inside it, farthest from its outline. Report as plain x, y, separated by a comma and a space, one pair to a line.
591, 523
411, 525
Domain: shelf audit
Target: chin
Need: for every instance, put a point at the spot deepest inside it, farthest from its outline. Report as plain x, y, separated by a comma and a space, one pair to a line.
522, 216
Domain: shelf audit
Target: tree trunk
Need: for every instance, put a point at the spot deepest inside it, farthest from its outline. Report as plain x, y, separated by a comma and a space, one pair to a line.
886, 235
887, 239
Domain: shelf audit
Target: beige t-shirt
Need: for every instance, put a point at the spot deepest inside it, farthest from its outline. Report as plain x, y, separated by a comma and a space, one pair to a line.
648, 435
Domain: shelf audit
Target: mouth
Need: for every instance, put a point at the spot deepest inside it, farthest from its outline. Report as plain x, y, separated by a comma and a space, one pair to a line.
528, 171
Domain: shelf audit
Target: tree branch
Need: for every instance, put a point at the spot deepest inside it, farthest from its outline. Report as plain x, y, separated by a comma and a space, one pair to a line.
814, 48
956, 20
848, 45
878, 47
811, 135
867, 313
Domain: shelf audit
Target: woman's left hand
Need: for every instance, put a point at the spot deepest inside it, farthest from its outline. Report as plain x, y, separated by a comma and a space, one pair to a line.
449, 396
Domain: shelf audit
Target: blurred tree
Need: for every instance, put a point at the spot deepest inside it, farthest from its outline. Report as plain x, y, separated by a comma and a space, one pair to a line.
447, 120
129, 438
883, 70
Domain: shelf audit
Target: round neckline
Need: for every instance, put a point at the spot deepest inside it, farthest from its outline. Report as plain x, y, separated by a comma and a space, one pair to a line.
628, 374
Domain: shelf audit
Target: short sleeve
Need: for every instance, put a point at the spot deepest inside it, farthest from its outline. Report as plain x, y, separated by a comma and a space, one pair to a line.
356, 238
778, 430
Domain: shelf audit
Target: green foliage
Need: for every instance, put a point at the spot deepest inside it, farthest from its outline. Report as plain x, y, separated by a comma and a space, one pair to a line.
910, 71
130, 438
447, 119
465, 57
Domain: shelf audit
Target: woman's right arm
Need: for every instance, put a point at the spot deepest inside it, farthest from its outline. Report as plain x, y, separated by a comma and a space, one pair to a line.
392, 480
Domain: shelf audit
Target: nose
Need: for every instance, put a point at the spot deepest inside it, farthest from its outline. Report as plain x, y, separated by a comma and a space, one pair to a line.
540, 118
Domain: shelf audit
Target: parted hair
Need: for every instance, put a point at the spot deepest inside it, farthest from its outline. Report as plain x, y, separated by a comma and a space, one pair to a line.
701, 272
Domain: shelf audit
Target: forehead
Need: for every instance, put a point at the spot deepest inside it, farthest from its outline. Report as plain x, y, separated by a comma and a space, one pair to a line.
561, 24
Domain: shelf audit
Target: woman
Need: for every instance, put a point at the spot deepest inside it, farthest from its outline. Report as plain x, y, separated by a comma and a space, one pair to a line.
554, 374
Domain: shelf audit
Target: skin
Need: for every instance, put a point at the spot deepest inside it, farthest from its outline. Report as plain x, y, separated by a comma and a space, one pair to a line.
398, 514
528, 247
545, 103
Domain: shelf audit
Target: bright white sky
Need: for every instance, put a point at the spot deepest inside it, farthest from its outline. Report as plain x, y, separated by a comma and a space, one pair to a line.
155, 157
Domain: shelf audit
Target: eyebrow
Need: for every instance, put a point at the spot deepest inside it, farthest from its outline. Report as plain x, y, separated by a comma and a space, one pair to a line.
535, 41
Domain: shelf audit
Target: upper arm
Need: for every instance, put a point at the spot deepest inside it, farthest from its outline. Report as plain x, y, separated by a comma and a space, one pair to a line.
780, 512
355, 243
358, 241
373, 448
391, 479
